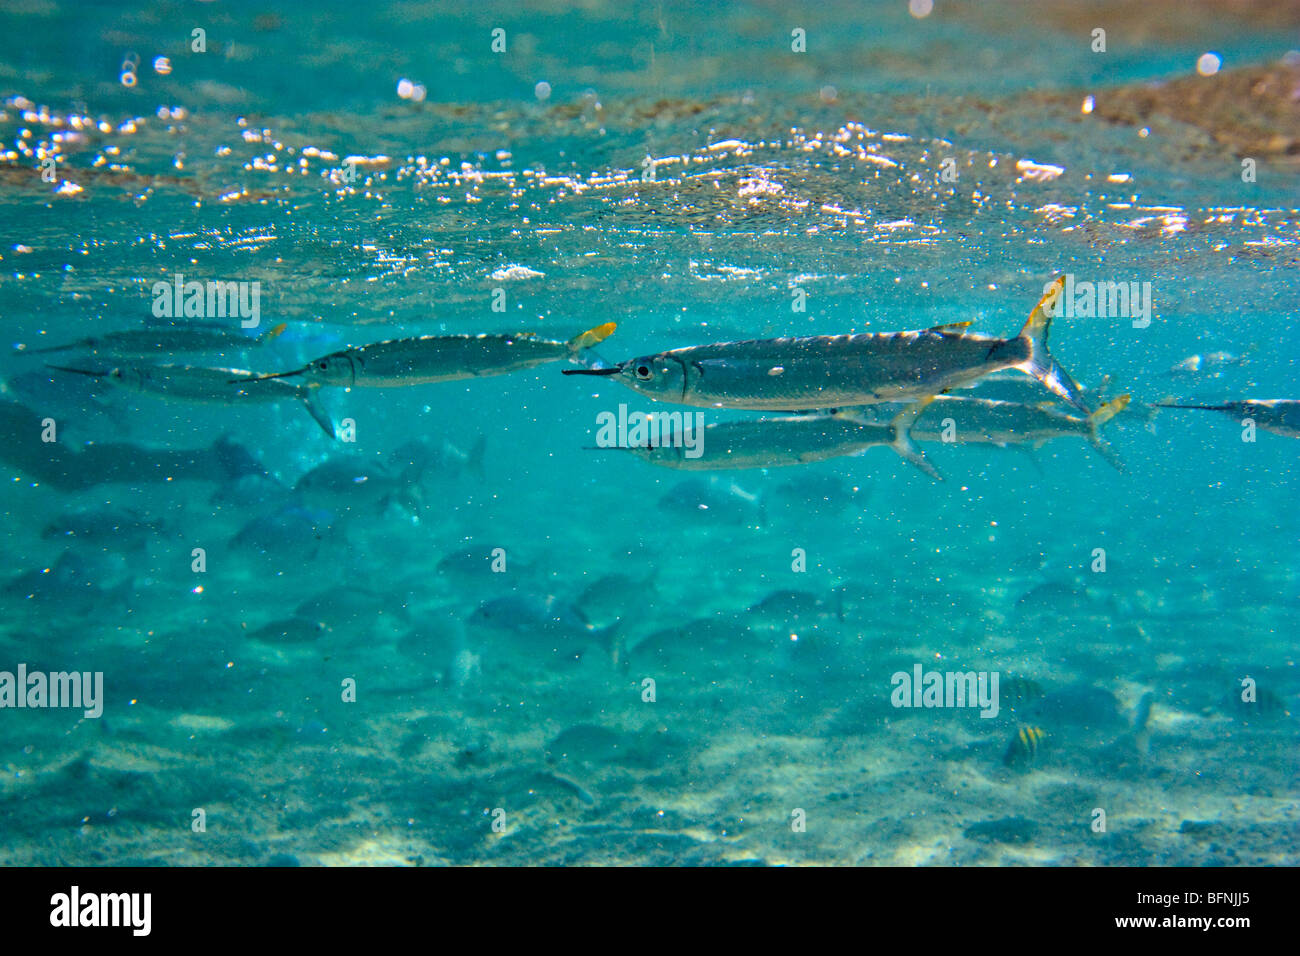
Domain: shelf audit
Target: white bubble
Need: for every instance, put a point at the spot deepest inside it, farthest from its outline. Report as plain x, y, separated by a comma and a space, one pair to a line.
405, 88
128, 78
829, 94
162, 66
542, 90
1209, 64
920, 8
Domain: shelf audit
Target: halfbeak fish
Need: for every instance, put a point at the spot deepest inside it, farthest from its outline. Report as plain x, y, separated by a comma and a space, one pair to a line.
828, 371
439, 358
163, 340
1281, 416
789, 440
988, 421
208, 386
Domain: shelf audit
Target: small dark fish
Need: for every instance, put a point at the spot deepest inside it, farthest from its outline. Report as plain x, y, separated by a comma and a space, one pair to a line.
543, 619
1079, 706
714, 499
287, 530
252, 491
124, 529
345, 481
290, 630
1007, 830
822, 493
1024, 746
74, 584
790, 609
475, 565
441, 458
612, 597
351, 608
1263, 702
1019, 691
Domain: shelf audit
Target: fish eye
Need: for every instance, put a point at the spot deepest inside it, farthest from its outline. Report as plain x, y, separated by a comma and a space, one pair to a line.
323, 364
643, 373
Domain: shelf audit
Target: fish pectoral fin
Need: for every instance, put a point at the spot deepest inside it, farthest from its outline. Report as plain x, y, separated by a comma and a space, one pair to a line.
317, 411
902, 441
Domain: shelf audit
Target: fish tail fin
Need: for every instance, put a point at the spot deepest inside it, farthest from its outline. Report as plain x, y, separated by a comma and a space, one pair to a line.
1100, 417
317, 411
902, 443
585, 340
411, 497
1040, 364
474, 463
272, 333
613, 641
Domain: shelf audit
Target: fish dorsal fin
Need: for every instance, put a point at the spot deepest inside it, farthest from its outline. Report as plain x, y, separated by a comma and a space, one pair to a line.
951, 327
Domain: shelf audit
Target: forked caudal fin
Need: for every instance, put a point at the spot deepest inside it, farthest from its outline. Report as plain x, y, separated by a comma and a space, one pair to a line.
586, 340
1040, 363
1100, 417
272, 333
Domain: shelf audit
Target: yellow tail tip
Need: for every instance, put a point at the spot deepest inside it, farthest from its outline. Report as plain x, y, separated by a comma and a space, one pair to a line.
592, 336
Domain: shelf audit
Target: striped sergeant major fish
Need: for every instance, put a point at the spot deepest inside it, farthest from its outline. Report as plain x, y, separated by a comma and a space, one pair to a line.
982, 420
207, 386
439, 358
791, 440
164, 339
829, 371
1281, 416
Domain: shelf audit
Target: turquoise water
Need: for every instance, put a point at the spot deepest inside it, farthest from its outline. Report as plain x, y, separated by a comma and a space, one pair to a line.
348, 681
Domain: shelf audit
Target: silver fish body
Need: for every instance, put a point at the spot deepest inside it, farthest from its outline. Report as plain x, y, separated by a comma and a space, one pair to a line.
1278, 415
826, 371
987, 421
790, 440
208, 386
771, 442
426, 359
153, 341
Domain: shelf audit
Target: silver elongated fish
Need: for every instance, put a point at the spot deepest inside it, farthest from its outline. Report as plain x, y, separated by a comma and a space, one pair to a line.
994, 422
207, 386
1281, 416
439, 358
159, 340
828, 371
791, 440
